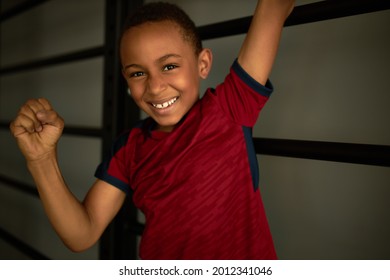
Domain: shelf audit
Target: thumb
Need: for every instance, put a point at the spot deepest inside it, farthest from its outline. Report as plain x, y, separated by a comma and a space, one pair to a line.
50, 117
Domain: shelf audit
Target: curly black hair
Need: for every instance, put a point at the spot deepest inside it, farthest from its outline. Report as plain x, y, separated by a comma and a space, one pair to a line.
162, 11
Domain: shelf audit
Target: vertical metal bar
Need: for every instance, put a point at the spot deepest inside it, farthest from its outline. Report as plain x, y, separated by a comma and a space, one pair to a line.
119, 113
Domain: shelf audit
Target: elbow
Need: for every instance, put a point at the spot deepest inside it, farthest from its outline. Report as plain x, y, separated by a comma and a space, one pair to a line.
78, 247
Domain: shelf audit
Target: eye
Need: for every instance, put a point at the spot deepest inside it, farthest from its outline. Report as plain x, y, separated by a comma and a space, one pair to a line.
169, 67
136, 74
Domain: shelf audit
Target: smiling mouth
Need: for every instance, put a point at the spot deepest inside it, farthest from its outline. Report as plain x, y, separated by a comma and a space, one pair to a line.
165, 104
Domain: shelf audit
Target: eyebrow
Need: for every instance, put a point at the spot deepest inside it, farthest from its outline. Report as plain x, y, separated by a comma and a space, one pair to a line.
159, 60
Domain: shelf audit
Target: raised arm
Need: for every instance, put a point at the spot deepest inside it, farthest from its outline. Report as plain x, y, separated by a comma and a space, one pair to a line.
260, 46
37, 129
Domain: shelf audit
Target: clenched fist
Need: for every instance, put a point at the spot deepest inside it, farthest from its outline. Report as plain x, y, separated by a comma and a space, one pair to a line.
37, 129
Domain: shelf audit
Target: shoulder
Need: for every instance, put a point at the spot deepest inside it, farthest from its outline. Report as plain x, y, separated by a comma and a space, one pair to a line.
240, 97
239, 75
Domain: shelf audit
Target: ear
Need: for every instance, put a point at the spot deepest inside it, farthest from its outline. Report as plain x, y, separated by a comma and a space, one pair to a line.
124, 74
125, 77
205, 60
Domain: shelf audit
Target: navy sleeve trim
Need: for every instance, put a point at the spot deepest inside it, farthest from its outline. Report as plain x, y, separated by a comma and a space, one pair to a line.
102, 169
101, 174
264, 90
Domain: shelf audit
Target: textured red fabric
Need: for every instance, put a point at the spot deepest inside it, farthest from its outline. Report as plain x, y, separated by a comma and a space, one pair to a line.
194, 184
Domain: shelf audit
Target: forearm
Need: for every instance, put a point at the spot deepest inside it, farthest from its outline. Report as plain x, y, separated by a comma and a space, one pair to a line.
37, 129
259, 49
66, 213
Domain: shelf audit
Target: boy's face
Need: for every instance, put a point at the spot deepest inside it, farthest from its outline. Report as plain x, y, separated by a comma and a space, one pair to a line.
162, 71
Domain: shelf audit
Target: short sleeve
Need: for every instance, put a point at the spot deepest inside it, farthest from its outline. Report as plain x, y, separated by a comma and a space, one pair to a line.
241, 97
113, 169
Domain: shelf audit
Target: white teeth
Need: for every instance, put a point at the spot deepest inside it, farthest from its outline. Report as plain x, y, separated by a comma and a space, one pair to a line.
165, 104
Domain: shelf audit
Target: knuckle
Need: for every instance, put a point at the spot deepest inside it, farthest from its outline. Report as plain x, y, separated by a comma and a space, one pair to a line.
43, 100
44, 103
34, 104
31, 101
26, 106
24, 110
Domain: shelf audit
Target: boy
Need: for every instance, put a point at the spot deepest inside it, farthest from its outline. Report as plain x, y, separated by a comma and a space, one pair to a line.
190, 167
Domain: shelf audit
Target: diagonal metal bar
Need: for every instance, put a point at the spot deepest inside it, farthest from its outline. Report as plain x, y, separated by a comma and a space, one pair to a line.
18, 185
20, 8
318, 11
21, 246
70, 130
50, 61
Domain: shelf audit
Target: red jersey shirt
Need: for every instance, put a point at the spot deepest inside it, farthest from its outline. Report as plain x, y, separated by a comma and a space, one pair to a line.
198, 185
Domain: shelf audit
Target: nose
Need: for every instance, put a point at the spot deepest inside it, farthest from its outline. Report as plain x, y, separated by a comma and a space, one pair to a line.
156, 83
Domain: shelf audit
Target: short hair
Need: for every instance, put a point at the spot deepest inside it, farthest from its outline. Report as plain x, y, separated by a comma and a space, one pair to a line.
161, 11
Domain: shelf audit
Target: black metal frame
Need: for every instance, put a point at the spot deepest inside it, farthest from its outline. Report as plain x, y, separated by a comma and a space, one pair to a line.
119, 112
20, 8
318, 11
378, 155
119, 240
22, 246
66, 58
